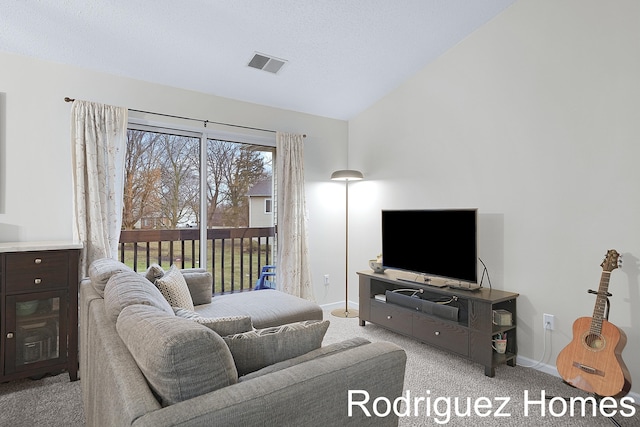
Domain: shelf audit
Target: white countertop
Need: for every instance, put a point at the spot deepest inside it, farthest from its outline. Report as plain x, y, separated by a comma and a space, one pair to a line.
47, 245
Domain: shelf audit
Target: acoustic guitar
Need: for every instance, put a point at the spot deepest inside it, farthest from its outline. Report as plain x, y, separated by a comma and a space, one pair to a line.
592, 361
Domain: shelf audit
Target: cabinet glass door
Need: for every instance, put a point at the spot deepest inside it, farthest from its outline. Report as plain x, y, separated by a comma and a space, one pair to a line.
33, 334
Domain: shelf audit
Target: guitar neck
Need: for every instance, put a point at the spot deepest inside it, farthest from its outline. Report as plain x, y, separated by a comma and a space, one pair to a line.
601, 303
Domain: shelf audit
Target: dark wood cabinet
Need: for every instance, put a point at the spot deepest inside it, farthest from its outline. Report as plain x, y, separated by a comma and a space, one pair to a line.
471, 335
38, 309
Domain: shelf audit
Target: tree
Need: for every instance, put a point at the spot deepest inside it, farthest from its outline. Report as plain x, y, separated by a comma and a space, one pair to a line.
232, 169
219, 155
180, 184
162, 179
142, 177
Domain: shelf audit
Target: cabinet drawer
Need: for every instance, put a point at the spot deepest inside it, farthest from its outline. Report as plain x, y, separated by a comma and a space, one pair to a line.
29, 271
442, 334
392, 317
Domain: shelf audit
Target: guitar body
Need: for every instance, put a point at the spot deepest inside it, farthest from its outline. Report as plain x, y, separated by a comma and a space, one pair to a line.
593, 362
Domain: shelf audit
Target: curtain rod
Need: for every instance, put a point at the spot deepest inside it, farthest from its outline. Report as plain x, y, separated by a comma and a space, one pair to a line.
67, 99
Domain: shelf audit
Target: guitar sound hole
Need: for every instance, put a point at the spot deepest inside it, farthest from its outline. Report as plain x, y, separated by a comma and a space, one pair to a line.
594, 341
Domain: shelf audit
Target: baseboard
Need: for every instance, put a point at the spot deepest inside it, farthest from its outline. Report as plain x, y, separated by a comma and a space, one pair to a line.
339, 304
551, 370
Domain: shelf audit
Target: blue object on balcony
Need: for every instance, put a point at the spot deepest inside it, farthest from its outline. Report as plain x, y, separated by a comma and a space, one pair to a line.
263, 281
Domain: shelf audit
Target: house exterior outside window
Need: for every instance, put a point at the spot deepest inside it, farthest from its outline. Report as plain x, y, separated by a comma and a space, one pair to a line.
261, 203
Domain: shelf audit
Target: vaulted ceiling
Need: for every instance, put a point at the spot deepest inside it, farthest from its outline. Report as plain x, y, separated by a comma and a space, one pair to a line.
340, 56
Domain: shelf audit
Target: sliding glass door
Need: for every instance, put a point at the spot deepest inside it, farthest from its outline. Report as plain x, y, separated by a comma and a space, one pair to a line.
197, 201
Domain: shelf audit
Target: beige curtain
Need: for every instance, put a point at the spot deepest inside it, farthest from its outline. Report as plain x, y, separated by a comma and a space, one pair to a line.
293, 274
98, 137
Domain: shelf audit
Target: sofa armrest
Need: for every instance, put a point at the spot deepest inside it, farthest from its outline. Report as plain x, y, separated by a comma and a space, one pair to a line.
114, 391
315, 392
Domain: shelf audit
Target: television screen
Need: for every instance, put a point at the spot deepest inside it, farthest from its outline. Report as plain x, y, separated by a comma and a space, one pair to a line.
439, 242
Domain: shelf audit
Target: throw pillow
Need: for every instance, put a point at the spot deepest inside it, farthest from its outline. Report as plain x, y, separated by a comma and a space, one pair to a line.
128, 288
179, 358
318, 353
175, 290
101, 270
256, 349
154, 272
223, 326
200, 283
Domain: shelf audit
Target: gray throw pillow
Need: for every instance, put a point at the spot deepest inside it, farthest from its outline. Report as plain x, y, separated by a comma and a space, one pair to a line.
154, 272
200, 283
318, 353
256, 349
179, 358
223, 326
101, 270
128, 288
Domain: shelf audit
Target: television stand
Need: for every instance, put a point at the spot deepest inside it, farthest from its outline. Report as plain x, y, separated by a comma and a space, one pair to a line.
468, 287
426, 282
470, 336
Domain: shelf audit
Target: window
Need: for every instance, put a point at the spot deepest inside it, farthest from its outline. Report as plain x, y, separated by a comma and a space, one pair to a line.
187, 201
236, 173
162, 180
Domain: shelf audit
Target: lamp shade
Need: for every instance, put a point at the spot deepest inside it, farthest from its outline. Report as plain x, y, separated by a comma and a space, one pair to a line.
347, 175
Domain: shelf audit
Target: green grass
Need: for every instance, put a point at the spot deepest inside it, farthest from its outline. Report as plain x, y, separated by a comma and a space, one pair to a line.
241, 275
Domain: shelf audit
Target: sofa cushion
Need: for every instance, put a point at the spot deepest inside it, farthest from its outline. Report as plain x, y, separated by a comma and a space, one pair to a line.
174, 288
128, 288
223, 326
179, 358
256, 349
101, 270
266, 307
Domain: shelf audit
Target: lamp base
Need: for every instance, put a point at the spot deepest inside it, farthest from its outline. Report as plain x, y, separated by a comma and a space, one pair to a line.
341, 312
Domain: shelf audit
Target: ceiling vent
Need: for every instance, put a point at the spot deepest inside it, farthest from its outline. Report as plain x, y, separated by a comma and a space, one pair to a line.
266, 63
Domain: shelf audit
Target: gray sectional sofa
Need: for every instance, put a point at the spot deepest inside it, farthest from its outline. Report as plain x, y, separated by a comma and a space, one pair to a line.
243, 359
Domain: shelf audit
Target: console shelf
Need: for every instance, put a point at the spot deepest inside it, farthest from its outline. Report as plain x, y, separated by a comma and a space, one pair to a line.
469, 336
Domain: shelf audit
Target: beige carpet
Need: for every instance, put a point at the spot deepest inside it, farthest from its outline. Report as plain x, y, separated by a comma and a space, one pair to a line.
51, 401
431, 373
442, 377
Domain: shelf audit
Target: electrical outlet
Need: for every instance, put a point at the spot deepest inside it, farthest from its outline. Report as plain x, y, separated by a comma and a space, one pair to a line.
326, 280
548, 321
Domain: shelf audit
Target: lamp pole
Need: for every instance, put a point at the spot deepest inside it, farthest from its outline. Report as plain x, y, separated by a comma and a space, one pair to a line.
346, 175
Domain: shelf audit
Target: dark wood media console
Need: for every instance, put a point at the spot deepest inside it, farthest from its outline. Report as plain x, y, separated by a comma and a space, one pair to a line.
471, 336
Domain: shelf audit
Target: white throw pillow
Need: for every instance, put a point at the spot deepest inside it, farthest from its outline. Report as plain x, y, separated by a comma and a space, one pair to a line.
174, 288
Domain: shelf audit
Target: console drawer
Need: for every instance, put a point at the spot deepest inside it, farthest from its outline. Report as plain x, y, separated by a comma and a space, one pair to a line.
29, 271
442, 334
392, 317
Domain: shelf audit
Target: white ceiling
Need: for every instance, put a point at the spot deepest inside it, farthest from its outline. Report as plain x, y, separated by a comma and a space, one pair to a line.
343, 55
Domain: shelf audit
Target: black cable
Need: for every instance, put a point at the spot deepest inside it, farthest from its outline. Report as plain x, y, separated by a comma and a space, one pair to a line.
483, 271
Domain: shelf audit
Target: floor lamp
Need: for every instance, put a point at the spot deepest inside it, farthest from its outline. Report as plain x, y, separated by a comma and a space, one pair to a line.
346, 175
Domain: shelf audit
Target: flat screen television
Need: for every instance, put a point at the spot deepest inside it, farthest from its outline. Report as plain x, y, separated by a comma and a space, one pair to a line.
433, 242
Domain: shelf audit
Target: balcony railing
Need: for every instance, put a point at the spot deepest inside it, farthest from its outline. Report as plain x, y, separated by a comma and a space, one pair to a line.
234, 255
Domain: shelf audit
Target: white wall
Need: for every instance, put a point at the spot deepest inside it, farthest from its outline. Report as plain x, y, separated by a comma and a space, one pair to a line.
35, 151
534, 119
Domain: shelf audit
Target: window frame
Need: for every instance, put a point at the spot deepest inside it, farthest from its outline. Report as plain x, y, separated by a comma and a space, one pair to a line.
206, 133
